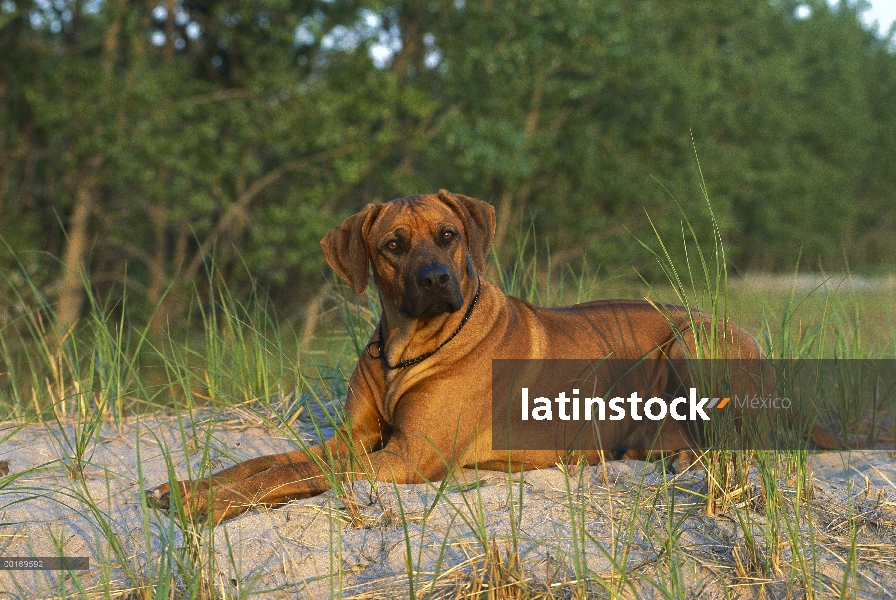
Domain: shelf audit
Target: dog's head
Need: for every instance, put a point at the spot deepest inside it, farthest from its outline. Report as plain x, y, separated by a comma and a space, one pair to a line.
422, 248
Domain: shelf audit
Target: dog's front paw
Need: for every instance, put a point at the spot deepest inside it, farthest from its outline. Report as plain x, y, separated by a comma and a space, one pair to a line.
685, 460
193, 495
158, 497
199, 502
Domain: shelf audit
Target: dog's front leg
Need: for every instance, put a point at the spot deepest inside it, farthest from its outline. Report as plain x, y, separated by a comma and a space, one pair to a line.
265, 481
273, 486
268, 479
191, 491
285, 481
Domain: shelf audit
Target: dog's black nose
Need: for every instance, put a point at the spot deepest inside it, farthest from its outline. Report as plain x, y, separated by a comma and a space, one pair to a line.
433, 278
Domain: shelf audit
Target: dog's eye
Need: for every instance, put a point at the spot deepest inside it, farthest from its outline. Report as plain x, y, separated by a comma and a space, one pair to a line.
448, 236
392, 245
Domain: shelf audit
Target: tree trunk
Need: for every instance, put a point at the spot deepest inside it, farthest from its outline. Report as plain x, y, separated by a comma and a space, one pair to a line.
71, 287
505, 208
312, 316
168, 49
155, 290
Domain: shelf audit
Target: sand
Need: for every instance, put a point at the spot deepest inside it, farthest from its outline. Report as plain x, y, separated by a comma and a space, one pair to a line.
454, 537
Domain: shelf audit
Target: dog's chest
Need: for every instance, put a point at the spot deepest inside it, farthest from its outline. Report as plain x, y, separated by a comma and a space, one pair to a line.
417, 383
398, 384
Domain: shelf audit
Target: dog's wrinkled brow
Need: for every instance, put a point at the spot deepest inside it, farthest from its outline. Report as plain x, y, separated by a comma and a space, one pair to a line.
418, 218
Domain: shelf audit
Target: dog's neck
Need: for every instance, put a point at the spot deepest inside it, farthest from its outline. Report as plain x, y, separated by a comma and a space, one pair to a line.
405, 338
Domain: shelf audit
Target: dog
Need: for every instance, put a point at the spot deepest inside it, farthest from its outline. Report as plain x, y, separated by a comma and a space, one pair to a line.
419, 403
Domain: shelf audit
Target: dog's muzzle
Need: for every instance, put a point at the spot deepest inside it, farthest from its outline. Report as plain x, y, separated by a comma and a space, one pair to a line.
435, 291
433, 279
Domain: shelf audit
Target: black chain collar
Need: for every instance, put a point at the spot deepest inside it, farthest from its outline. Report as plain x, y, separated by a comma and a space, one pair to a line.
380, 346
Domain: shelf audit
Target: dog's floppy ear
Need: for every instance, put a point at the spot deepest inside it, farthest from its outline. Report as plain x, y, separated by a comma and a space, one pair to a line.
479, 221
345, 248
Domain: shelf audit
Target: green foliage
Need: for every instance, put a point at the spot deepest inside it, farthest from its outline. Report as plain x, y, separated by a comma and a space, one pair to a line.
246, 130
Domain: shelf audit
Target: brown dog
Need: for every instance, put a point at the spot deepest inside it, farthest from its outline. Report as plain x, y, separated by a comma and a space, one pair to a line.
419, 401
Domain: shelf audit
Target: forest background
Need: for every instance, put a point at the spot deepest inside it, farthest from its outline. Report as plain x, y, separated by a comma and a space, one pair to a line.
142, 141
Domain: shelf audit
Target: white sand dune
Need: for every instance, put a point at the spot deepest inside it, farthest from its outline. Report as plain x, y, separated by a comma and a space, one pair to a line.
358, 544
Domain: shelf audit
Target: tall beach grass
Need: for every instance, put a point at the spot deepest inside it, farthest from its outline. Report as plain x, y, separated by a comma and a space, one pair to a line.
236, 358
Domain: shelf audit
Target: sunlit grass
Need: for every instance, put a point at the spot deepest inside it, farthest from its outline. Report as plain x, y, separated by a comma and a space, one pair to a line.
237, 358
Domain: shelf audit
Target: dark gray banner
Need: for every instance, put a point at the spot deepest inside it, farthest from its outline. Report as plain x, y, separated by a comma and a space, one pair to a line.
44, 563
622, 405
